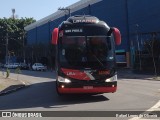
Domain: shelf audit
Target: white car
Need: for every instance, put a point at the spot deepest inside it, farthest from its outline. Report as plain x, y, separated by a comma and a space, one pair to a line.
8, 65
15, 65
39, 66
11, 65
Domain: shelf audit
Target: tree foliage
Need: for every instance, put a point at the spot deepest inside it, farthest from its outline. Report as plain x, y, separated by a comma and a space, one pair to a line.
13, 29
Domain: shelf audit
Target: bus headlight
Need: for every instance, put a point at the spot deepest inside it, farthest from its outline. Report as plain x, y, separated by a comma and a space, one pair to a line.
64, 80
112, 79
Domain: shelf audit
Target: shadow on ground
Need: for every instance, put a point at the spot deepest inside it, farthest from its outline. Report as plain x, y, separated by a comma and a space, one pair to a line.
44, 95
11, 89
129, 74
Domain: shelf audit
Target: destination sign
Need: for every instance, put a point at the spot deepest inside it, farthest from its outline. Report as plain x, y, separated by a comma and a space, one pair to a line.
85, 21
73, 30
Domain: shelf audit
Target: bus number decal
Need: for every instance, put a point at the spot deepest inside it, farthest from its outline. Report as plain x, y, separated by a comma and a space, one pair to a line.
104, 72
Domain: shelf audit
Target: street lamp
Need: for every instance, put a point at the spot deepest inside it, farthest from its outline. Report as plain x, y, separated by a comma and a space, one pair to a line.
13, 13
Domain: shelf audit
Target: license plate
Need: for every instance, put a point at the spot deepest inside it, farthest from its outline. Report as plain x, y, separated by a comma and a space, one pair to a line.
87, 87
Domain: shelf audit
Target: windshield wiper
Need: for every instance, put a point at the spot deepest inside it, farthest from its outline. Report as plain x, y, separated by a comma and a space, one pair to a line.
99, 61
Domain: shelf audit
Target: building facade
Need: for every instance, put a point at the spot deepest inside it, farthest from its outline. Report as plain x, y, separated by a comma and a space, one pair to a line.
138, 21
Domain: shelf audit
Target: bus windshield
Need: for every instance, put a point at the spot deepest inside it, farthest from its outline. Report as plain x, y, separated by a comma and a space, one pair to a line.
86, 52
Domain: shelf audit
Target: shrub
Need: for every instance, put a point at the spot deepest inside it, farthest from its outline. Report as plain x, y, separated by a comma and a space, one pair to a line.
7, 73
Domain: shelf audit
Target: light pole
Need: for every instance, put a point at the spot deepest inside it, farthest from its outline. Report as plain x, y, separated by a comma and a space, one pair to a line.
23, 37
13, 13
7, 60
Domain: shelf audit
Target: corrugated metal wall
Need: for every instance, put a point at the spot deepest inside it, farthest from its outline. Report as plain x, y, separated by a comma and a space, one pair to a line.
130, 16
145, 13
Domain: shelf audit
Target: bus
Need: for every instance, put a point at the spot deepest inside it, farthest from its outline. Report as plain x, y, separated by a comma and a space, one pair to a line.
85, 56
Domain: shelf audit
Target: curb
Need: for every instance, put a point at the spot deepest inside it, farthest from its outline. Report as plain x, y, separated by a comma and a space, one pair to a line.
12, 90
20, 86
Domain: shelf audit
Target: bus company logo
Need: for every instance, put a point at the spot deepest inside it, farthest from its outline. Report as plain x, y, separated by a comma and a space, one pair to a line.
71, 73
85, 21
6, 114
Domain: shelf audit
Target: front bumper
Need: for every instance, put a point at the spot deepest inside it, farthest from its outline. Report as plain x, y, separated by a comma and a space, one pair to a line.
87, 87
42, 68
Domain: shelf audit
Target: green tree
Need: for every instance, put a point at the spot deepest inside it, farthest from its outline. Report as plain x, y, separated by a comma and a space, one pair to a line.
13, 30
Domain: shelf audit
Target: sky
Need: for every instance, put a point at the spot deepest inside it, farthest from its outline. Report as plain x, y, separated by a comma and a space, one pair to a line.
37, 9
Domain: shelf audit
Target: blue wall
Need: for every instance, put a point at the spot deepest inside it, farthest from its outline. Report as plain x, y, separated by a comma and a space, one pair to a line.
113, 12
31, 36
145, 13
123, 14
43, 34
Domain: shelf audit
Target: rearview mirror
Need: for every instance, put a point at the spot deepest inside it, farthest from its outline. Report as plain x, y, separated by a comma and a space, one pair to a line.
117, 36
55, 36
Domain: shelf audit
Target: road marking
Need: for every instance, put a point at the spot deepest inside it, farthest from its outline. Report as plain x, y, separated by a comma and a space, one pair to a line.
156, 107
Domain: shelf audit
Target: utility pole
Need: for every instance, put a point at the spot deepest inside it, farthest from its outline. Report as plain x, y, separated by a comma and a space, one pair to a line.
65, 9
7, 48
23, 33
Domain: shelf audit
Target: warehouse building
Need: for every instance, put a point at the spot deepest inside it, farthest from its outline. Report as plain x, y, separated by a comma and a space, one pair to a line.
138, 21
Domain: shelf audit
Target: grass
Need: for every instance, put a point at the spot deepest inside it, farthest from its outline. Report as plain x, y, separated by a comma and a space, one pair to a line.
156, 78
1, 87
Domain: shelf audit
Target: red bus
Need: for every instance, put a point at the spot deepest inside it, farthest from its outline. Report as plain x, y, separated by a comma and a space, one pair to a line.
85, 56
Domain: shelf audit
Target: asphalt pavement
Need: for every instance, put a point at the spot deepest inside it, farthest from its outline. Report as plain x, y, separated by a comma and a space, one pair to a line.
133, 94
11, 84
127, 73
